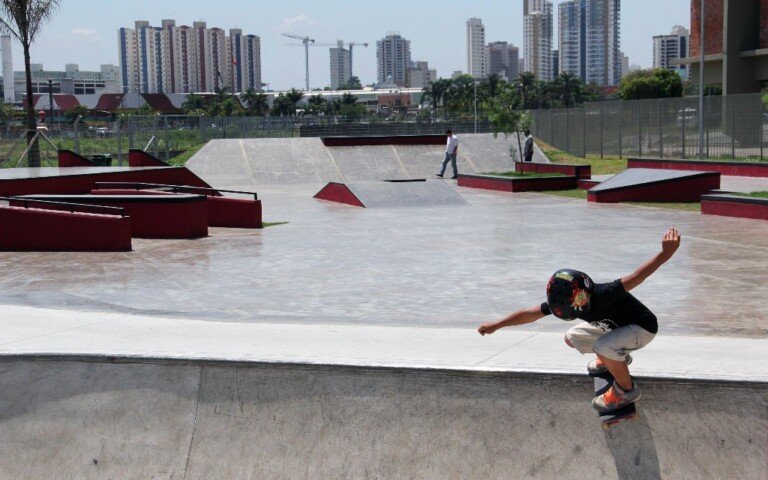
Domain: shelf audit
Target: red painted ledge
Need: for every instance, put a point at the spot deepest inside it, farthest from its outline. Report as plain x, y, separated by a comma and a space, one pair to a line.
384, 140
514, 184
741, 169
579, 171
735, 206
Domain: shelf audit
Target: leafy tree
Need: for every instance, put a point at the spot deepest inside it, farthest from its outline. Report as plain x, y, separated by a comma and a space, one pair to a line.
352, 84
194, 105
316, 105
529, 90
256, 103
656, 83
74, 112
505, 115
145, 110
567, 87
294, 96
7, 113
282, 106
23, 19
435, 93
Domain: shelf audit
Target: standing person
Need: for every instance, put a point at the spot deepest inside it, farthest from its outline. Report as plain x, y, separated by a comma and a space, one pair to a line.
528, 148
615, 322
451, 150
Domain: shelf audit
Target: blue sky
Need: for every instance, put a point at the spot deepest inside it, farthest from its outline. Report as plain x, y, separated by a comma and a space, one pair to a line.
85, 31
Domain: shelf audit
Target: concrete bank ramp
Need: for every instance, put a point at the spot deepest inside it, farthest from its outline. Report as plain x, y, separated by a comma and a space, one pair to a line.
392, 194
264, 161
87, 420
276, 161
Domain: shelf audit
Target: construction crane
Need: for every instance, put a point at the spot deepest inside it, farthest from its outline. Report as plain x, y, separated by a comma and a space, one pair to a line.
351, 45
306, 41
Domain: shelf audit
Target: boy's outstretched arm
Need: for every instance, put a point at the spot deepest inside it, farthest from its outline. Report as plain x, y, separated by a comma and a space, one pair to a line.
669, 245
526, 315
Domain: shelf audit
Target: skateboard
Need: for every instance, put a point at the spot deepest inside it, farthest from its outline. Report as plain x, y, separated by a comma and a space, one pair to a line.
603, 382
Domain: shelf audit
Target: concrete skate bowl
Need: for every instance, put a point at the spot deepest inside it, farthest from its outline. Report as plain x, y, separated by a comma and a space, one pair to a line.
75, 418
276, 161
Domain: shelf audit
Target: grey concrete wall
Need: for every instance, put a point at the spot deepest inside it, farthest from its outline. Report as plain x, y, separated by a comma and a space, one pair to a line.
63, 419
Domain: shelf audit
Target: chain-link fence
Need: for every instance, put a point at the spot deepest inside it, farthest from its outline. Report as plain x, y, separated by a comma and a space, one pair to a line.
735, 127
171, 137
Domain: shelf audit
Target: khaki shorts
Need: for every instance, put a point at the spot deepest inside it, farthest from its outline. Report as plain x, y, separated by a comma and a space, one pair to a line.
613, 344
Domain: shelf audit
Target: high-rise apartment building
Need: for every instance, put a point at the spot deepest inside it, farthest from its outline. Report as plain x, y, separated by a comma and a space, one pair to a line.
589, 40
603, 42
341, 67
503, 60
537, 35
393, 55
183, 59
668, 48
571, 38
477, 54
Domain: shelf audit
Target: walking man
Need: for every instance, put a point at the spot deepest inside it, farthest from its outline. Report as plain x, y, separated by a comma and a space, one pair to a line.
528, 148
451, 149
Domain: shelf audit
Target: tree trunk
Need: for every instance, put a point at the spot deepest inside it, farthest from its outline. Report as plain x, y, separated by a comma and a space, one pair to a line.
33, 156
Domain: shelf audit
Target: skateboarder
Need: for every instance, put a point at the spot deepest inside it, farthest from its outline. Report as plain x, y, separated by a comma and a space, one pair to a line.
616, 323
451, 150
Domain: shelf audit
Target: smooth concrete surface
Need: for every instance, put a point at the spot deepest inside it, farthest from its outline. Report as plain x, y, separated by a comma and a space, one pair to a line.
29, 331
446, 267
196, 421
431, 193
283, 161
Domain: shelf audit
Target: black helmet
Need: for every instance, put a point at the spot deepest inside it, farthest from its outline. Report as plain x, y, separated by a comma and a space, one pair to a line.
569, 293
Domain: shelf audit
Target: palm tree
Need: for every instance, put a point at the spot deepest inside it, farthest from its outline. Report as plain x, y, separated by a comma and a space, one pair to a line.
569, 86
434, 93
283, 106
294, 96
23, 19
316, 104
526, 84
256, 103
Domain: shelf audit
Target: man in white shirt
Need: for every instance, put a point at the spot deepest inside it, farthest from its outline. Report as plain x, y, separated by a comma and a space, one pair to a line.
451, 149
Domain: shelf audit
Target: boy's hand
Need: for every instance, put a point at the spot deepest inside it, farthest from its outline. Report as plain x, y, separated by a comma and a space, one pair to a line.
670, 242
488, 328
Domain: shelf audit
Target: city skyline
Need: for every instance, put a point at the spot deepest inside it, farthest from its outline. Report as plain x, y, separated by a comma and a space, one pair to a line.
86, 32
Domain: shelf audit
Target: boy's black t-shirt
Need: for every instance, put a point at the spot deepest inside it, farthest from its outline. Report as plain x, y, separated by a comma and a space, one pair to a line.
612, 306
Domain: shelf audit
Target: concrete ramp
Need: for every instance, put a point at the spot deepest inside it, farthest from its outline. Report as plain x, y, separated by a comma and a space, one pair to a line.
264, 161
487, 154
654, 185
246, 163
372, 162
418, 193
92, 420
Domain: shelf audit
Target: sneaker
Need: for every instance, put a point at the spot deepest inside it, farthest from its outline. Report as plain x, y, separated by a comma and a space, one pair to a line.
439, 175
596, 367
615, 398
454, 177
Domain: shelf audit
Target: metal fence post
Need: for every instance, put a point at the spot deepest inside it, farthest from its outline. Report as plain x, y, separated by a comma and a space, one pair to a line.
621, 136
130, 133
639, 128
761, 128
167, 146
119, 131
601, 129
661, 128
733, 133
682, 136
567, 132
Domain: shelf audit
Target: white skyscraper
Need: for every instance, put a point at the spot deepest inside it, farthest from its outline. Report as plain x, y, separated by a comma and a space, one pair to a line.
477, 54
393, 55
667, 48
570, 40
537, 38
183, 59
341, 68
603, 42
